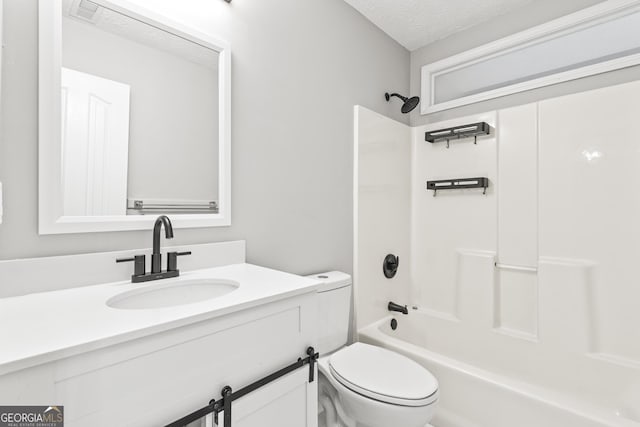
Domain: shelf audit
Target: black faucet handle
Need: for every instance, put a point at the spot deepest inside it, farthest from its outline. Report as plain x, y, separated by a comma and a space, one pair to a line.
172, 259
139, 264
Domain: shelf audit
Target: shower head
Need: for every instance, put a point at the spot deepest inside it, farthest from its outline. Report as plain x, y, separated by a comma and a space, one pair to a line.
409, 103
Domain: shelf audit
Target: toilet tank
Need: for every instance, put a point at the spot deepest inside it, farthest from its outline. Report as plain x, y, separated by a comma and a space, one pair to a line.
334, 307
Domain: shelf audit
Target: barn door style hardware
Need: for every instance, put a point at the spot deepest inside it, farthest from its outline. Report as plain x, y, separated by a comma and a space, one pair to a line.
458, 132
224, 404
458, 184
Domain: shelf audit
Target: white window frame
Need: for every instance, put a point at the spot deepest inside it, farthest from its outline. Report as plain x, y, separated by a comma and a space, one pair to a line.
603, 12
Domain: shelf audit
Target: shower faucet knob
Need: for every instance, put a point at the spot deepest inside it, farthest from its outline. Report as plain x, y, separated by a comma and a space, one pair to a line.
390, 265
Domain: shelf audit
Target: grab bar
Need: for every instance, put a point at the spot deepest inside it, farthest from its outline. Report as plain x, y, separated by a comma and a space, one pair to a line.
516, 268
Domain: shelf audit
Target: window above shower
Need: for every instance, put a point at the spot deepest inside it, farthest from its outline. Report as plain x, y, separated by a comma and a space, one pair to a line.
595, 40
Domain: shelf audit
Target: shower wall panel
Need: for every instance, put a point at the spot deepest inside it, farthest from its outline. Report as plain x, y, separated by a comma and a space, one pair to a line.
382, 199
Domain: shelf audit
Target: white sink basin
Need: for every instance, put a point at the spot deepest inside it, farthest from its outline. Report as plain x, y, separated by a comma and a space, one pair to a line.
172, 293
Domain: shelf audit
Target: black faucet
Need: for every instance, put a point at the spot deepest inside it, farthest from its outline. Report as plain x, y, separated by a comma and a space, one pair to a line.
397, 307
139, 273
156, 256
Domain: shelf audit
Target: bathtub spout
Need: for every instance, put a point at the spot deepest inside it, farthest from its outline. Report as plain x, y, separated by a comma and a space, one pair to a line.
397, 307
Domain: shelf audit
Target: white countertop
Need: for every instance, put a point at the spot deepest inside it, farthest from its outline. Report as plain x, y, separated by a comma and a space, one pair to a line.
48, 326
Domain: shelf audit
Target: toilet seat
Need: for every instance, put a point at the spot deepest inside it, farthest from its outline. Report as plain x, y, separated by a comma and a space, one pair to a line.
383, 375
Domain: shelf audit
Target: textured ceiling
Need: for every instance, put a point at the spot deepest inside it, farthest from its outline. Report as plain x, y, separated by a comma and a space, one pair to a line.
416, 23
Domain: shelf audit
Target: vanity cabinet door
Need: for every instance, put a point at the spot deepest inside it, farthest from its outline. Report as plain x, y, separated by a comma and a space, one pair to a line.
288, 402
159, 379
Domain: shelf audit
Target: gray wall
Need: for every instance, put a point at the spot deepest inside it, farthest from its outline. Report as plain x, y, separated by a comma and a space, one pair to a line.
535, 13
298, 69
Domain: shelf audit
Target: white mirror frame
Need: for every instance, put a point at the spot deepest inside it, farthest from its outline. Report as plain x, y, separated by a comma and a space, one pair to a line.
51, 217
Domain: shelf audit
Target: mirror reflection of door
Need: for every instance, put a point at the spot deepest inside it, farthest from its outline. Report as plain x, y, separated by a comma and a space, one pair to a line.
95, 144
159, 138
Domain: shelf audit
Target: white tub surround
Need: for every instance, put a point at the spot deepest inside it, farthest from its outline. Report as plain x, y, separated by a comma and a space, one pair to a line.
70, 348
381, 205
528, 293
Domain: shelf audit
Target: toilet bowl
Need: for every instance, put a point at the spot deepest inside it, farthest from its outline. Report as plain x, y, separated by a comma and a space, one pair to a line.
361, 385
374, 387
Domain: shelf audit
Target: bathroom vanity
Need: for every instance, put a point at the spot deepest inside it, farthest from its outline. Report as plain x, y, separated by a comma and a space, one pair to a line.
119, 353
74, 330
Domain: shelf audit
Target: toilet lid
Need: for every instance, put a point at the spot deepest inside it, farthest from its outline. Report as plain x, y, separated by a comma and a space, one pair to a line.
383, 375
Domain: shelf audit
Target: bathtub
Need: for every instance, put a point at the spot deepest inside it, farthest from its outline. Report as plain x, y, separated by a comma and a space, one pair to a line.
473, 397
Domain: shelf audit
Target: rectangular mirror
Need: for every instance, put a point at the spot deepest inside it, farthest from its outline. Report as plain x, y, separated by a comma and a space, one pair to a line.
134, 120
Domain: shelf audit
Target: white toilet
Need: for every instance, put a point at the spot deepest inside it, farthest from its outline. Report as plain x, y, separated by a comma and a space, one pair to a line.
361, 385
